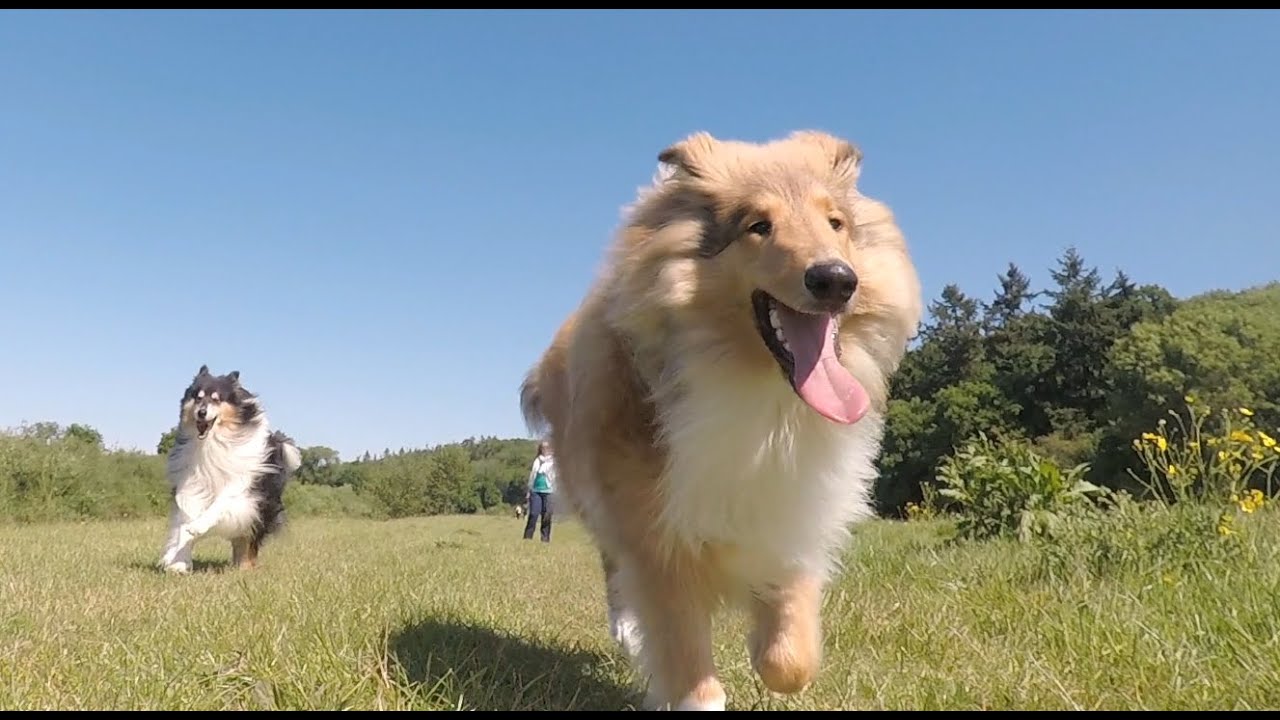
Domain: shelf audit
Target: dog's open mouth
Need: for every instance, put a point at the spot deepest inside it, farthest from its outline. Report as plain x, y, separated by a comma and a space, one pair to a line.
202, 427
805, 346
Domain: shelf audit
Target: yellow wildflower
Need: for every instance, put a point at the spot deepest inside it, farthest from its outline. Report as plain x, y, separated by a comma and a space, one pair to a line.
1224, 526
1171, 471
1266, 440
1190, 400
1252, 501
1222, 455
1246, 412
1241, 436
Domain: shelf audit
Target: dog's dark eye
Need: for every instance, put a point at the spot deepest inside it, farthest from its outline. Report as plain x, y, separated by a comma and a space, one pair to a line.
836, 224
764, 227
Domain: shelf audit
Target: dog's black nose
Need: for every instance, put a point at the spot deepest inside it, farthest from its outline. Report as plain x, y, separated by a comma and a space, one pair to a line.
202, 412
831, 282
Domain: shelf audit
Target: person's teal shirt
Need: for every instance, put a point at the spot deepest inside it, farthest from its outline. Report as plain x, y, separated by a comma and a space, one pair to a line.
542, 475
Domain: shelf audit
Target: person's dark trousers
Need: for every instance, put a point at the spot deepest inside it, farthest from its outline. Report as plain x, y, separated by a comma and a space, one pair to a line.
539, 506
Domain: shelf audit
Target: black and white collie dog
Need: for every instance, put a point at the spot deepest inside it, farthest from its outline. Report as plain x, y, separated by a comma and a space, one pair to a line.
227, 472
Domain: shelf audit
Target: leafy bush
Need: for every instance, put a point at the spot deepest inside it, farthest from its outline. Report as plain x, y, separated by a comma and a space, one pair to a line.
53, 473
1068, 449
303, 500
1005, 488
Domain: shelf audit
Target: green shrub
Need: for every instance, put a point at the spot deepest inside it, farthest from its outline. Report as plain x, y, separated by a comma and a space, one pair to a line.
47, 473
1068, 449
303, 500
1005, 488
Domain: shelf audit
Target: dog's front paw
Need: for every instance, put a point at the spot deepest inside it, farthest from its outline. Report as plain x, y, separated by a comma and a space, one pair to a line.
176, 568
707, 696
169, 563
787, 662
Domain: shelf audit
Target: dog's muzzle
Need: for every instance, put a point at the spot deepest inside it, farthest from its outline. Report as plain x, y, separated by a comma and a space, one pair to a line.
203, 421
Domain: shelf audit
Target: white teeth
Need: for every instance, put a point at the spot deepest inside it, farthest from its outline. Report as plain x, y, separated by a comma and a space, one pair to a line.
777, 328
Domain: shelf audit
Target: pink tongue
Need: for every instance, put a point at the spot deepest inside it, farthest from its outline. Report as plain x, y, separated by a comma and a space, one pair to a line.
818, 376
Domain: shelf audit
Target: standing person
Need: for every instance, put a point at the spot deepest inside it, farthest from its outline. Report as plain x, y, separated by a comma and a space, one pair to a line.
542, 484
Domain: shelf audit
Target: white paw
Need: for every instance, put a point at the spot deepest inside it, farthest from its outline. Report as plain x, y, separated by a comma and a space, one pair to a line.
169, 556
690, 704
173, 560
687, 704
177, 568
625, 631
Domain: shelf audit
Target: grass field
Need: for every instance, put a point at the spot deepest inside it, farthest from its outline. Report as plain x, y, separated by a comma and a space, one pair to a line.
459, 613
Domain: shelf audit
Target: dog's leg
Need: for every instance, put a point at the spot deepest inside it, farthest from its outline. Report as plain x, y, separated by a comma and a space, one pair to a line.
786, 640
212, 515
244, 553
674, 612
623, 625
177, 548
183, 535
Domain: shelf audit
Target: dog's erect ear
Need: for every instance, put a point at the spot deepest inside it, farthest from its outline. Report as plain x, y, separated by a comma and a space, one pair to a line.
843, 158
691, 156
242, 393
204, 370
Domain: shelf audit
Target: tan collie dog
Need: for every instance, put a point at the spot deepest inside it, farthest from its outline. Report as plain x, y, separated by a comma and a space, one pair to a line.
717, 401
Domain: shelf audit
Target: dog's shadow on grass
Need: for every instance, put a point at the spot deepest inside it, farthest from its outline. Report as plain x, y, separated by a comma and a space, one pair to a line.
468, 666
198, 566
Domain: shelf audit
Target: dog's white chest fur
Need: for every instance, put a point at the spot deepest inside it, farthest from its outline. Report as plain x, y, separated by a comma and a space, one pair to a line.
204, 471
756, 472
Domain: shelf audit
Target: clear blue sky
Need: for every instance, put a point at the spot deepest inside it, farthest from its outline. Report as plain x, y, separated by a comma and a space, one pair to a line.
380, 218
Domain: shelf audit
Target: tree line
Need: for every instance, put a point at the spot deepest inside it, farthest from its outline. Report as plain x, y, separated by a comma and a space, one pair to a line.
51, 472
1077, 368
